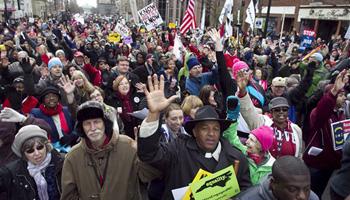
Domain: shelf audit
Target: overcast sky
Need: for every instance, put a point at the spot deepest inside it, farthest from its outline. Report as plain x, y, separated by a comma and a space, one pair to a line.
87, 2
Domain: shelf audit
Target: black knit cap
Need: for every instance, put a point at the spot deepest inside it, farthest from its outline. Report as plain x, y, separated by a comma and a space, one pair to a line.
48, 90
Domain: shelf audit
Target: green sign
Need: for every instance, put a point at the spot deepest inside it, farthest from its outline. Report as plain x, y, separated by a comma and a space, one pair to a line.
221, 185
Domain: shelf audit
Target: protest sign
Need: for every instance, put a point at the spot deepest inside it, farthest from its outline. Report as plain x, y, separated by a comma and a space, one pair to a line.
347, 34
122, 29
340, 133
150, 16
200, 174
172, 25
220, 185
307, 38
127, 40
113, 37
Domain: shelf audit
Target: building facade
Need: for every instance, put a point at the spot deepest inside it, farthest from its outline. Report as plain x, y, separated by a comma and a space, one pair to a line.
325, 17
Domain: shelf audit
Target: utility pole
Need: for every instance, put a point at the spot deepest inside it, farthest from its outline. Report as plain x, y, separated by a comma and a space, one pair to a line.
267, 19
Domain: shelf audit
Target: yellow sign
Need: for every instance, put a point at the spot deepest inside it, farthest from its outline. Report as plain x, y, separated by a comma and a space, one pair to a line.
113, 37
220, 185
200, 174
172, 25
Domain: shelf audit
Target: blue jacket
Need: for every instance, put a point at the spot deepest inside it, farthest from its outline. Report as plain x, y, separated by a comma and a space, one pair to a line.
54, 137
194, 84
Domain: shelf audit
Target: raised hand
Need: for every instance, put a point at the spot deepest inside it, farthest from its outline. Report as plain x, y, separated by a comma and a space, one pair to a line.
67, 85
26, 66
10, 115
340, 82
156, 100
215, 36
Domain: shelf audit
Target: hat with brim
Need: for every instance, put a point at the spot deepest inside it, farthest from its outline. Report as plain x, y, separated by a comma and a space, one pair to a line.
206, 113
278, 102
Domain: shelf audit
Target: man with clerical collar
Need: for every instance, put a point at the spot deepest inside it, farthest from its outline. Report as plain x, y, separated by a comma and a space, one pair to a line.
203, 148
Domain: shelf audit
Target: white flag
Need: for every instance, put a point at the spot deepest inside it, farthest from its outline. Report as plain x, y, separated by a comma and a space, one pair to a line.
250, 12
178, 46
227, 10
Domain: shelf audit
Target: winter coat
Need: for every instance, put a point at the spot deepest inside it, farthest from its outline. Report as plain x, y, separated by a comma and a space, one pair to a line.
319, 74
8, 130
181, 159
263, 192
17, 182
123, 172
138, 102
340, 182
194, 84
320, 134
54, 136
255, 120
257, 172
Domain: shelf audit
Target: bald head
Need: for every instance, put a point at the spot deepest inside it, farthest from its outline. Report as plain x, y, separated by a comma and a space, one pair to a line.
289, 166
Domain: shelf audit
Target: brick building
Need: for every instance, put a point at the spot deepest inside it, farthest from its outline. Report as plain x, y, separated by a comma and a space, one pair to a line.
325, 17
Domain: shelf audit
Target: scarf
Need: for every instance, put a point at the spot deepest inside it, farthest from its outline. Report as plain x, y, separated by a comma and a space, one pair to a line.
256, 158
126, 105
56, 111
35, 172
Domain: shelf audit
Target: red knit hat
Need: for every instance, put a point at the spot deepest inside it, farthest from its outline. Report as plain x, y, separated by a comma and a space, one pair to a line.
264, 134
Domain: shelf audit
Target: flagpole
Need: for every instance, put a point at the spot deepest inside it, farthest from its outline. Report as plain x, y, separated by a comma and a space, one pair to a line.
203, 14
283, 18
267, 19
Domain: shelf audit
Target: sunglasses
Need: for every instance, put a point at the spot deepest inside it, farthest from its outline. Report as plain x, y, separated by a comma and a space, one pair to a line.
39, 148
280, 110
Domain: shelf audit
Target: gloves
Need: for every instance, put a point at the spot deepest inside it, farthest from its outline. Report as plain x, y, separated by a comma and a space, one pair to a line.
232, 107
26, 66
10, 115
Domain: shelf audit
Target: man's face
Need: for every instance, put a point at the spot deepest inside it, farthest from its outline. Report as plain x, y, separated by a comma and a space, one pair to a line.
95, 130
79, 60
123, 67
56, 71
277, 91
196, 71
295, 187
280, 114
51, 100
207, 135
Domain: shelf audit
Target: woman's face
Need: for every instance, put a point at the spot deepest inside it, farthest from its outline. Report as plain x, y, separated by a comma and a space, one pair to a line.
96, 96
79, 81
36, 154
140, 59
253, 145
174, 120
71, 71
124, 86
212, 99
51, 100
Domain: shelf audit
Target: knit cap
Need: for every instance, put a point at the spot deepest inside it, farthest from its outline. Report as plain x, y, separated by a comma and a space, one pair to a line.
264, 134
193, 61
25, 133
238, 66
54, 61
317, 56
60, 51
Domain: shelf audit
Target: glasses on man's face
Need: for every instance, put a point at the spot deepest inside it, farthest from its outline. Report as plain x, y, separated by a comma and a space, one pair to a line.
39, 147
282, 109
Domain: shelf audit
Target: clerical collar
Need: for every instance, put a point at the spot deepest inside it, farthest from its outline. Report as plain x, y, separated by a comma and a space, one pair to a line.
215, 154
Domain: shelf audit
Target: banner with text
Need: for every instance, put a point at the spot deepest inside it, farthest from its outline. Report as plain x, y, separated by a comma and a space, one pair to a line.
122, 29
150, 16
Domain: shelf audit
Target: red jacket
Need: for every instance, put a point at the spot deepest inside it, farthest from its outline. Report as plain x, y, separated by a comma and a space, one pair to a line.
94, 74
320, 126
229, 60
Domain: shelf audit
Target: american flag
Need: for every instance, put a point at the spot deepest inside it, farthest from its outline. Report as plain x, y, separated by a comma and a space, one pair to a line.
189, 20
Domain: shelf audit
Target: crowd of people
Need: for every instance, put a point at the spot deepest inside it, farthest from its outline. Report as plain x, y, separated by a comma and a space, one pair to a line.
87, 117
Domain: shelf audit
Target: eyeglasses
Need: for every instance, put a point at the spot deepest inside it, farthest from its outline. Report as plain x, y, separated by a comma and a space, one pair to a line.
282, 109
39, 148
94, 96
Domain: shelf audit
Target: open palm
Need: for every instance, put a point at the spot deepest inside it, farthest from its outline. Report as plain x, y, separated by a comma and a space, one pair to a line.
67, 85
156, 100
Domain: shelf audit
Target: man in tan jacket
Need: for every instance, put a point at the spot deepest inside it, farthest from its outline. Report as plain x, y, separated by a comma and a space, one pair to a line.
104, 165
